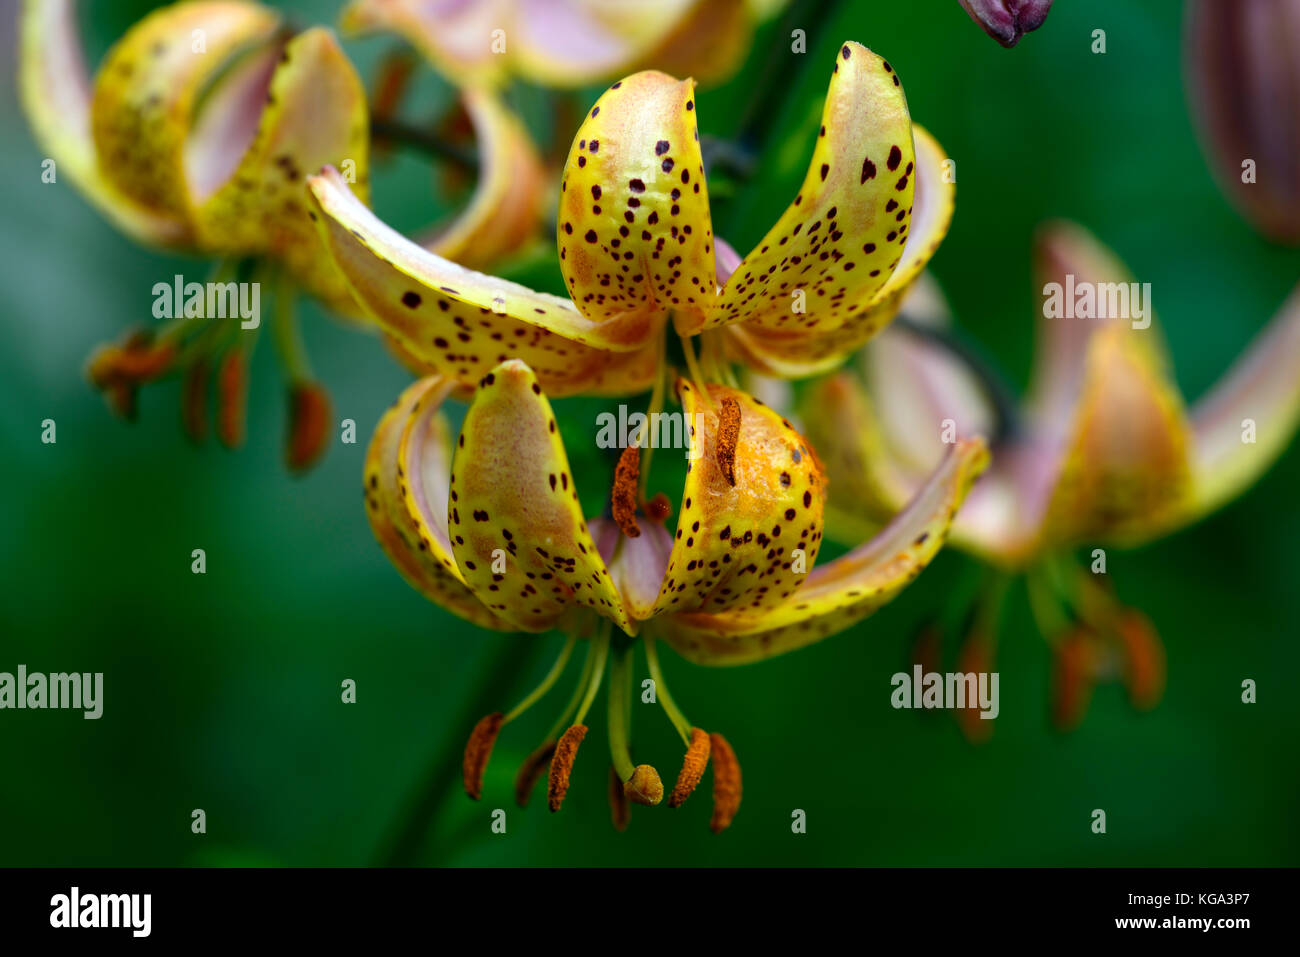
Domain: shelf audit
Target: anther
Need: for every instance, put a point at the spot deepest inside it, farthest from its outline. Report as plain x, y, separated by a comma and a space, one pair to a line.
693, 765
566, 750
728, 433
726, 783
531, 770
477, 751
622, 499
644, 786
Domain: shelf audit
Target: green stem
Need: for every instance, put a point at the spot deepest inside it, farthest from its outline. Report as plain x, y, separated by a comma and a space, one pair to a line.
600, 648
661, 692
620, 676
548, 682
288, 336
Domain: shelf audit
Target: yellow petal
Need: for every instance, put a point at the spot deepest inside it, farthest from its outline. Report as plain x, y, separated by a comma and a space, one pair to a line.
634, 231
516, 523
460, 322
845, 232
54, 86
1251, 414
800, 354
843, 592
505, 211
745, 545
148, 86
1125, 475
707, 43
408, 471
315, 115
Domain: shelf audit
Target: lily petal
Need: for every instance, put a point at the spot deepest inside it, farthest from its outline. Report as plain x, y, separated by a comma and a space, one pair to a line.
634, 231
505, 210
1260, 390
148, 86
413, 537
843, 592
748, 542
846, 230
513, 498
455, 35
315, 115
55, 89
460, 322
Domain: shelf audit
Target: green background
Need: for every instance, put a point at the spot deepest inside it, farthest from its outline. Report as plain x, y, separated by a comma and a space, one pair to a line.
222, 691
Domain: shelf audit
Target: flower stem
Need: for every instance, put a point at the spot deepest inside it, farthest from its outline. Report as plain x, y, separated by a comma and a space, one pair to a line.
620, 710
600, 651
661, 692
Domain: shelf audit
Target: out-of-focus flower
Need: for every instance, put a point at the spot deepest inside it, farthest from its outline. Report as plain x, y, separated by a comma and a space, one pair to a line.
493, 531
1104, 452
196, 134
567, 43
1008, 20
1245, 93
637, 247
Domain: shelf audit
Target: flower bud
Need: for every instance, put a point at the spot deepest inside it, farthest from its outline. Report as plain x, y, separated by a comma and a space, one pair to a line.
1007, 20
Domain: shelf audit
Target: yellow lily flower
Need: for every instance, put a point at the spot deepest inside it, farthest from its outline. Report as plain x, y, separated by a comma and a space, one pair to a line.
568, 43
1104, 451
195, 134
637, 247
492, 530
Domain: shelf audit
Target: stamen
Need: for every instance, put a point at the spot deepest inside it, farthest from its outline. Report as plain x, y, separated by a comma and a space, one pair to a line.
726, 783
658, 508
309, 425
665, 699
232, 396
728, 434
477, 751
566, 751
548, 682
641, 783
656, 406
693, 765
531, 771
622, 499
194, 399
697, 374
619, 811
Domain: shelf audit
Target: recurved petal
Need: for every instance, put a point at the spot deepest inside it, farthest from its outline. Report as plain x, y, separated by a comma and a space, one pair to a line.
514, 506
1125, 473
794, 354
54, 86
408, 462
455, 35
505, 210
148, 86
750, 523
634, 231
314, 115
846, 230
843, 592
1250, 416
459, 322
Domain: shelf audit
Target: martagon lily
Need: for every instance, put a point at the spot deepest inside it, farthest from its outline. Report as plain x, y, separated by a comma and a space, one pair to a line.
637, 248
1103, 453
492, 531
195, 135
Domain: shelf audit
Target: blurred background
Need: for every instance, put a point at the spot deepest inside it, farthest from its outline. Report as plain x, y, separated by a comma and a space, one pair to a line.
222, 691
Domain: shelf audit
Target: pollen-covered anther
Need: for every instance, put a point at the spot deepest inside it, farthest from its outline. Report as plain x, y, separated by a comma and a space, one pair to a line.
693, 765
726, 783
619, 811
728, 433
566, 750
232, 398
478, 750
531, 770
644, 786
658, 508
622, 498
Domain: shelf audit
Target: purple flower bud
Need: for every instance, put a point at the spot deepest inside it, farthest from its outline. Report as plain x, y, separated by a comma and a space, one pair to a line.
1245, 91
1007, 20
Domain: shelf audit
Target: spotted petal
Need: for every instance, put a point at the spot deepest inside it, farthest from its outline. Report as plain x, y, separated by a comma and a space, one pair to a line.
837, 595
406, 488
796, 354
459, 322
516, 524
846, 230
148, 86
634, 231
750, 523
315, 114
